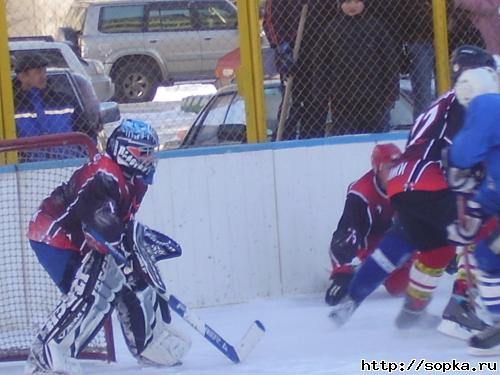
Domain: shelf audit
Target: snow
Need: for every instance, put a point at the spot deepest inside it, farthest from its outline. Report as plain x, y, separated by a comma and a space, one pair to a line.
300, 339
178, 92
164, 113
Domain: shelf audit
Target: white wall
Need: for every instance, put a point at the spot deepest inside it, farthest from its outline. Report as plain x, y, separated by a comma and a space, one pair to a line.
253, 220
255, 223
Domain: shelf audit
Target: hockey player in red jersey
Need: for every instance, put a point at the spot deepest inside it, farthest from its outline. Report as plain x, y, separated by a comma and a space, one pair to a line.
366, 217
425, 207
97, 205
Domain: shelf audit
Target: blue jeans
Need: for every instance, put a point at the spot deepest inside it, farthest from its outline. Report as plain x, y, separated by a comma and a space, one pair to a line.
421, 72
60, 264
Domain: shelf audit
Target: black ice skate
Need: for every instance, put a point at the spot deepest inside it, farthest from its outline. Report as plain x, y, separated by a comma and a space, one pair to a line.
460, 320
486, 342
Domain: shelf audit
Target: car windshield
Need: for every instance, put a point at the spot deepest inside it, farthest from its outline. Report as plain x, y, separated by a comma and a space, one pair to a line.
75, 18
228, 110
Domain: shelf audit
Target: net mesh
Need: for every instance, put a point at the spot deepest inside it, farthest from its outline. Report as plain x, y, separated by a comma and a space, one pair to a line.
28, 295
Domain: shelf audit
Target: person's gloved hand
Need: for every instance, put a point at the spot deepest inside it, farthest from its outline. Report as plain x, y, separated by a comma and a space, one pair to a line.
284, 57
339, 285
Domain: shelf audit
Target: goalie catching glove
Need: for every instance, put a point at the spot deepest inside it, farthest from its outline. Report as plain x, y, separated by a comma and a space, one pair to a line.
148, 248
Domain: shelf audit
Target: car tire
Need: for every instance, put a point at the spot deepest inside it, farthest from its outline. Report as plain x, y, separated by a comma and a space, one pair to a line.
135, 82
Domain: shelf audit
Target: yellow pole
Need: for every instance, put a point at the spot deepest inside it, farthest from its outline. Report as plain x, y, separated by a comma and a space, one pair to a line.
441, 46
250, 76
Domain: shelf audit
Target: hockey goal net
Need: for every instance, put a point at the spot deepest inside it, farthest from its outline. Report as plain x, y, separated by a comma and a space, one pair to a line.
30, 168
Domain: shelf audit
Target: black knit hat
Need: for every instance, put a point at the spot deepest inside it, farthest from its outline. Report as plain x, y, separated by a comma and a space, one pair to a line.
27, 61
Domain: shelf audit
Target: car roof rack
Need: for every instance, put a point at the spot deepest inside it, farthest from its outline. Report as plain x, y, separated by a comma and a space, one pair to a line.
43, 38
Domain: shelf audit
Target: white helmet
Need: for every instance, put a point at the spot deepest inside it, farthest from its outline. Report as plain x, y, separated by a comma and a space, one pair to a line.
475, 82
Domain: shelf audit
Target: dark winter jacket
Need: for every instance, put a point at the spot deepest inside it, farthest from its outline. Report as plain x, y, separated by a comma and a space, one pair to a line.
358, 70
281, 21
408, 20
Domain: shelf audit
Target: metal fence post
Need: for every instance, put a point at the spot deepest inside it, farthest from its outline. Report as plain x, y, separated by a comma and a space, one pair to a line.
250, 75
441, 46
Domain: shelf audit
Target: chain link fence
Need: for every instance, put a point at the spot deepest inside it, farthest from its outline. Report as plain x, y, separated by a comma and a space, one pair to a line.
362, 66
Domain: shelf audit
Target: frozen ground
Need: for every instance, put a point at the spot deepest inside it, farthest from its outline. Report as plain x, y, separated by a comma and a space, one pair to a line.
301, 340
165, 113
178, 92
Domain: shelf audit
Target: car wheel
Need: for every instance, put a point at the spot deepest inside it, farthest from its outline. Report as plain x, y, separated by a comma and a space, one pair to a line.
135, 82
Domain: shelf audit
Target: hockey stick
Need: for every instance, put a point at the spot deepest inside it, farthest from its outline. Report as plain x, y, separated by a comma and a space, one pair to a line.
285, 105
469, 278
236, 353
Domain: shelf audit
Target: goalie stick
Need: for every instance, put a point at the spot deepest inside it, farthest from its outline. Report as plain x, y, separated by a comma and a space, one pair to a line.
236, 353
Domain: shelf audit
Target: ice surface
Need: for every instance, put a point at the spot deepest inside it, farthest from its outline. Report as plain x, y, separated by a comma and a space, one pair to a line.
300, 339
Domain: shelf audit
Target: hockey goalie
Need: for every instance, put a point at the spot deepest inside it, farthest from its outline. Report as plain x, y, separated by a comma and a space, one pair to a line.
72, 234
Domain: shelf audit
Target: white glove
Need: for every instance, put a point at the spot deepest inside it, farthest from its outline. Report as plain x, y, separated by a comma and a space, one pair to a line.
463, 180
465, 228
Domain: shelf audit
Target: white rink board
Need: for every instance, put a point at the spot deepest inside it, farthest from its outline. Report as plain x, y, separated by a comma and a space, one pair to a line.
253, 220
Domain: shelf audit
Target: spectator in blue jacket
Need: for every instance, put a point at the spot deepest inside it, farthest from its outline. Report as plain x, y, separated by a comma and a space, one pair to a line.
39, 109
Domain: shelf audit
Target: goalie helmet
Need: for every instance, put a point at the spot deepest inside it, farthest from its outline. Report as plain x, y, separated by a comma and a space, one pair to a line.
132, 146
475, 82
469, 57
384, 153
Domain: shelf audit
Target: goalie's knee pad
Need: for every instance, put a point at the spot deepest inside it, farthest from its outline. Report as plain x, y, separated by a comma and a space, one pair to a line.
80, 314
145, 318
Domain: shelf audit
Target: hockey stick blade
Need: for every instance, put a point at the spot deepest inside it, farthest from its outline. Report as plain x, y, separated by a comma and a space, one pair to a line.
251, 338
235, 354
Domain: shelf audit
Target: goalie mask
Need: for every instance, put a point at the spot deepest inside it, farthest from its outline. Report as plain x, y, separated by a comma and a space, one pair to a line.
132, 146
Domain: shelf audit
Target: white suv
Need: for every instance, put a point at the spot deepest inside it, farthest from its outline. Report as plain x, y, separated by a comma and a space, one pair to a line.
60, 55
145, 43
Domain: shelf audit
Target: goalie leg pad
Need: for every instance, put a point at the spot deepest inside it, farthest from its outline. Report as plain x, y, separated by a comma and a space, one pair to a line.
145, 319
168, 347
80, 314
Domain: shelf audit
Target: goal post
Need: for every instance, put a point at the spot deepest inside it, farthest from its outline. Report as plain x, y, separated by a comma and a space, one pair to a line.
28, 295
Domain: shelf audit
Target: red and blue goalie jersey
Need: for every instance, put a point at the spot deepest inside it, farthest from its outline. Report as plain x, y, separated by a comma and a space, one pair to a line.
58, 221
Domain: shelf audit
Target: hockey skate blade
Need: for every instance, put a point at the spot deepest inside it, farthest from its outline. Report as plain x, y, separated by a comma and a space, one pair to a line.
480, 352
250, 340
455, 330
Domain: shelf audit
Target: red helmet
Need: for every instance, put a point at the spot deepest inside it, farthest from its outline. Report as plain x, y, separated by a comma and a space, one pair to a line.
384, 153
